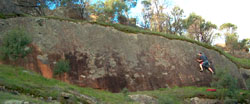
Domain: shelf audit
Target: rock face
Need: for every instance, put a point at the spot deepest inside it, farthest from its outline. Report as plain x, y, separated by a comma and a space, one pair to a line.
105, 58
65, 12
245, 73
19, 7
197, 100
143, 99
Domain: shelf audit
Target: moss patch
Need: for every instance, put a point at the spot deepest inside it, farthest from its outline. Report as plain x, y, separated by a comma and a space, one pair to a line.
12, 15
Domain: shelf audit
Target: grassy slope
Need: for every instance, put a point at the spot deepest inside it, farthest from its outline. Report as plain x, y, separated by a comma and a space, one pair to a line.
29, 83
26, 82
8, 96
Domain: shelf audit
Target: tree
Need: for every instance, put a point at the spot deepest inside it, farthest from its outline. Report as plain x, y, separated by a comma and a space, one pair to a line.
232, 42
79, 7
174, 21
158, 17
154, 15
229, 27
62, 3
231, 37
200, 29
146, 13
207, 33
83, 8
243, 45
113, 10
247, 42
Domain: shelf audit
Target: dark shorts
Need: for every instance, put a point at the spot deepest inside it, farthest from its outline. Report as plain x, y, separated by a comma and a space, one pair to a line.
205, 64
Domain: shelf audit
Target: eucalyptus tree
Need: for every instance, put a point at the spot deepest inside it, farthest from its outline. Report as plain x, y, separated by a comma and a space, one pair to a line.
231, 37
200, 29
174, 21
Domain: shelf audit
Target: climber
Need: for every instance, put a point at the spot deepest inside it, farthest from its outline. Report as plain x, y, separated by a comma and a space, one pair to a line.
204, 62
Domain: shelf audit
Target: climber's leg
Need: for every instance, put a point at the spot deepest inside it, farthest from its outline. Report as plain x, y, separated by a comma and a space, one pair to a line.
210, 69
201, 67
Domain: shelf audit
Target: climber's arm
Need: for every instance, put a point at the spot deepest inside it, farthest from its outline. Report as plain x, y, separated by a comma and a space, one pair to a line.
199, 60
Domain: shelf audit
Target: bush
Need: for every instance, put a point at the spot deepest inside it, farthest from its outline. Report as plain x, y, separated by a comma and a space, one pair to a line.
164, 99
230, 101
61, 66
225, 81
125, 93
15, 44
2, 16
248, 83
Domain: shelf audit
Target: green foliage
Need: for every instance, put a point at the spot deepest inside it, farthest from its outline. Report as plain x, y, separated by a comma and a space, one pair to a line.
5, 16
231, 37
225, 81
175, 21
110, 10
222, 79
30, 83
199, 29
248, 83
229, 27
165, 100
232, 41
2, 16
15, 44
61, 66
12, 15
242, 44
5, 96
125, 93
230, 101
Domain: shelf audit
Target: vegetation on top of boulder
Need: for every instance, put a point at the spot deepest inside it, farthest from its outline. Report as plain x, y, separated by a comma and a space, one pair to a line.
12, 15
15, 44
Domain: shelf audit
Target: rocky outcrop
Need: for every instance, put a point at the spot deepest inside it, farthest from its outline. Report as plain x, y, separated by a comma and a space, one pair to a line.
105, 58
143, 99
197, 100
19, 7
65, 12
245, 73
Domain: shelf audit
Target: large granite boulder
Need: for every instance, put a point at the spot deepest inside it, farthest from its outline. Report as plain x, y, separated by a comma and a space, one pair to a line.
105, 58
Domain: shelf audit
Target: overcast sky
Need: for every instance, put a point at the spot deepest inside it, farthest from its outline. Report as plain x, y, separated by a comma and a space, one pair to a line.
216, 11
